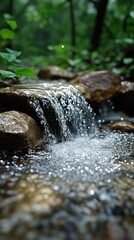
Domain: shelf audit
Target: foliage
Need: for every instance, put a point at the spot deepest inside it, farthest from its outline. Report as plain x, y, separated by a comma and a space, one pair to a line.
9, 60
7, 32
43, 34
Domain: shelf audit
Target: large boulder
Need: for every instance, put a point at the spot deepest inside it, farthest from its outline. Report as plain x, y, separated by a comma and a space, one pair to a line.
100, 85
54, 72
18, 131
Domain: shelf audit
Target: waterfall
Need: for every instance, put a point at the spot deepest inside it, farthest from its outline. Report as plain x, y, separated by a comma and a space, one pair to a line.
63, 112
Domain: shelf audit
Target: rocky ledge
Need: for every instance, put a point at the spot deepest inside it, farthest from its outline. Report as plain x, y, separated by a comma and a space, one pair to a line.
27, 99
28, 114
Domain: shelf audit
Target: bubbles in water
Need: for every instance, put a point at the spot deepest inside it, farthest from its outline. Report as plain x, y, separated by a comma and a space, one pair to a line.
83, 159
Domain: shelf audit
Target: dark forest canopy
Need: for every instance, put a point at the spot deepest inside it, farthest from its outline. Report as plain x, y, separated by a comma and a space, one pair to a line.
77, 34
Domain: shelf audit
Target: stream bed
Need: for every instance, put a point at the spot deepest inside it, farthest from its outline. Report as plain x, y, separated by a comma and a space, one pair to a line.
78, 189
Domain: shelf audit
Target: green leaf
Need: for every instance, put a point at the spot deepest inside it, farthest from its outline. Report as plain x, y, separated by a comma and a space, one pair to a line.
7, 16
117, 70
94, 54
127, 60
8, 56
50, 48
12, 24
7, 74
7, 34
27, 72
16, 53
129, 40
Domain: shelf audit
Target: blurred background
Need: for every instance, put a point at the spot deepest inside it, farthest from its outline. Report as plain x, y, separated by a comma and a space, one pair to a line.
74, 34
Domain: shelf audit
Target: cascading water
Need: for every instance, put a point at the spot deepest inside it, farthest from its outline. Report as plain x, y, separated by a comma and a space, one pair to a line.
80, 188
63, 113
86, 155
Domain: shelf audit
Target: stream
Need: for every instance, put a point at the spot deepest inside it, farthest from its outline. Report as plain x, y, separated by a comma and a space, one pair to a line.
79, 186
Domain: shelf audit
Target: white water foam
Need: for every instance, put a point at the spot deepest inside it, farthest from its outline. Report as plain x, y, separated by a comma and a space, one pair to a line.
62, 112
85, 156
84, 159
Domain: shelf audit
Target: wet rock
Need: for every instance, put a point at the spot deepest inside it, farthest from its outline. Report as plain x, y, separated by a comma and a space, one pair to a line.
26, 98
54, 72
18, 97
83, 90
84, 209
100, 85
126, 86
123, 126
123, 101
38, 198
18, 131
46, 103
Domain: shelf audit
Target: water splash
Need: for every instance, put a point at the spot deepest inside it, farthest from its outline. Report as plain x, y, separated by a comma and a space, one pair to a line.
63, 113
83, 159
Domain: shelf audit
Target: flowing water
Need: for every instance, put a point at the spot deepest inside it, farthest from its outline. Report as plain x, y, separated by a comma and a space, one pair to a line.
63, 113
81, 188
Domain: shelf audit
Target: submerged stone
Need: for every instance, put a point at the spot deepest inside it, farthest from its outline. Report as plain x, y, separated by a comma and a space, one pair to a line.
126, 86
54, 72
101, 85
18, 131
123, 126
37, 198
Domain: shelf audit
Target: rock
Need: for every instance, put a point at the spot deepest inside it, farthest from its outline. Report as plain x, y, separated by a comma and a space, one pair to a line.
123, 126
43, 103
100, 85
18, 131
20, 97
54, 72
83, 90
124, 100
126, 86
38, 198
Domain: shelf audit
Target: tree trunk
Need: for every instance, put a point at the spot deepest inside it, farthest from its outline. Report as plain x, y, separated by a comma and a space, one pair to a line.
96, 36
11, 7
10, 11
73, 27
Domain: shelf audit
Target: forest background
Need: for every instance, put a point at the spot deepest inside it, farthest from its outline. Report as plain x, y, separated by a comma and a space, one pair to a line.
78, 35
